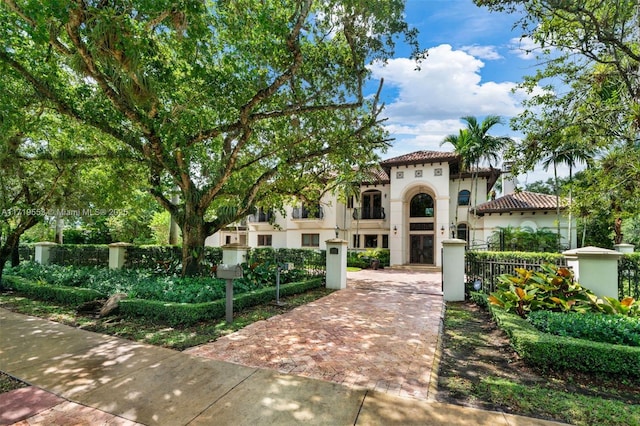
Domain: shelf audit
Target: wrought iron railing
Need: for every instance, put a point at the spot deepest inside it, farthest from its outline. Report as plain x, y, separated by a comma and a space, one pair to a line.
482, 274
304, 213
629, 277
369, 213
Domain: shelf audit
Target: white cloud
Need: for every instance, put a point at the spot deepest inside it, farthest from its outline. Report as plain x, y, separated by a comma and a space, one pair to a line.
488, 53
429, 102
524, 47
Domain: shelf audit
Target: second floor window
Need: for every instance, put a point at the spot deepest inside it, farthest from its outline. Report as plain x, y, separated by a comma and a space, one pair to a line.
371, 206
464, 197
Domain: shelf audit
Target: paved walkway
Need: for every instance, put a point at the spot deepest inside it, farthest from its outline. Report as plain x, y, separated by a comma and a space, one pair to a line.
379, 333
382, 330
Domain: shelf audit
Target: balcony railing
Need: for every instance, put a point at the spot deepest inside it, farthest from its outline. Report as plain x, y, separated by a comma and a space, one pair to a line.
261, 217
303, 213
369, 213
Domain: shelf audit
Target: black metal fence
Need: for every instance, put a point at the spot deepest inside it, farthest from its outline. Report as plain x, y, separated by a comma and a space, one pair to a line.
482, 274
79, 255
629, 277
313, 262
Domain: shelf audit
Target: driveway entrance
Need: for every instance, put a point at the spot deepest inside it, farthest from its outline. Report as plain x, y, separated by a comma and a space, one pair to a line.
381, 333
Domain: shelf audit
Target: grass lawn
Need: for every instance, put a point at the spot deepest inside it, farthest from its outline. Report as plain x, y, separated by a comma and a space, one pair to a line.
479, 368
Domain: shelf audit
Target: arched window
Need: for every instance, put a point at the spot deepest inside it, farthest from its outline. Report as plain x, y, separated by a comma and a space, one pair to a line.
462, 232
464, 197
421, 206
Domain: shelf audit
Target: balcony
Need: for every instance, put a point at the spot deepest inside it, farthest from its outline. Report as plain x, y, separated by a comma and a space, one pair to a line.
263, 217
304, 213
376, 213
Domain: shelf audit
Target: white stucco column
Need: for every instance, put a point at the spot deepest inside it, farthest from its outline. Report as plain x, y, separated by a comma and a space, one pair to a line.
336, 263
596, 269
43, 252
624, 248
396, 233
453, 269
234, 254
118, 255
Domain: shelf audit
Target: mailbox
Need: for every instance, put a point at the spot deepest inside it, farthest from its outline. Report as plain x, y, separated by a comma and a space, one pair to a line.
229, 272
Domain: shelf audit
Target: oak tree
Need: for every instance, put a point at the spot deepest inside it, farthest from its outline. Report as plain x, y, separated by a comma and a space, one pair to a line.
235, 103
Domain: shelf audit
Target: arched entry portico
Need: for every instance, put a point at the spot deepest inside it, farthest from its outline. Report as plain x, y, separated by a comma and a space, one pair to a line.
421, 220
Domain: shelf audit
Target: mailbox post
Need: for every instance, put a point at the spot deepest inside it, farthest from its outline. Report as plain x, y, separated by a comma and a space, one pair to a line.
229, 273
281, 267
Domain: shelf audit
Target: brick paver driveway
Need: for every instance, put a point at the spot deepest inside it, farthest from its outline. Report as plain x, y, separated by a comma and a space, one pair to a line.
381, 333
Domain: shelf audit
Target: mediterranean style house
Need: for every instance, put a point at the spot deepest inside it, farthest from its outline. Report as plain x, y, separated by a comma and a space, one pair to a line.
410, 205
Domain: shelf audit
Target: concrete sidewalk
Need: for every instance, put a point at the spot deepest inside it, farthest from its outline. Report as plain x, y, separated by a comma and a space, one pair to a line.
84, 378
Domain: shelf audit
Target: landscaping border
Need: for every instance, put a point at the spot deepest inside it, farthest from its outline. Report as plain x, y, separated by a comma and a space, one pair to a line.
551, 352
191, 313
61, 294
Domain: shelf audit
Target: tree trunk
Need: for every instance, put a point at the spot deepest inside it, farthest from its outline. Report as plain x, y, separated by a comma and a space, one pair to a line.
11, 241
59, 230
15, 254
555, 178
173, 225
570, 201
193, 235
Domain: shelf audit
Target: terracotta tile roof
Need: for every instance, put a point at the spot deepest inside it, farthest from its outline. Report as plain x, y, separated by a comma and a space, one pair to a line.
419, 157
518, 201
376, 175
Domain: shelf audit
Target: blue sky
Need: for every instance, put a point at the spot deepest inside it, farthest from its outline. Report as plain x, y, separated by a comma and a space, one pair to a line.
475, 60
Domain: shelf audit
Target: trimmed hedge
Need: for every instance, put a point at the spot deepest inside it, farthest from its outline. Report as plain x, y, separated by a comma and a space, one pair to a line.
191, 313
550, 352
597, 327
515, 256
60, 294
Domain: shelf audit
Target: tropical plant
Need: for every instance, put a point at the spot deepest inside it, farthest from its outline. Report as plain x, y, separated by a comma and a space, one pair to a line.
511, 238
553, 288
461, 145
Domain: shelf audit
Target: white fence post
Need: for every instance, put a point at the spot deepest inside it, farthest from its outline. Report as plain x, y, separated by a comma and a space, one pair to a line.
453, 269
43, 252
336, 264
118, 255
596, 269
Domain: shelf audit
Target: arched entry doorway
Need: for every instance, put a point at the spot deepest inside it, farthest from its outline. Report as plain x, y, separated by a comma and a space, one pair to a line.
421, 229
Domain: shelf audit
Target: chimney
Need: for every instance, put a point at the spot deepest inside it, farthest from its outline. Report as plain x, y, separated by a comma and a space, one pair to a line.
509, 182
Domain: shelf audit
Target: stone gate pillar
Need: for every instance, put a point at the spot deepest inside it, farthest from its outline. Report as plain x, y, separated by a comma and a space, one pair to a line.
43, 252
596, 269
336, 264
453, 269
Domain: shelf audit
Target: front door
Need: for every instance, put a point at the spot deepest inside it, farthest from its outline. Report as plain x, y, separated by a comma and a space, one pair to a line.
422, 249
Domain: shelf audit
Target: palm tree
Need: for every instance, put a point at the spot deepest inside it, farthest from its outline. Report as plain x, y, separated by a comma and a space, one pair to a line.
461, 144
483, 146
569, 152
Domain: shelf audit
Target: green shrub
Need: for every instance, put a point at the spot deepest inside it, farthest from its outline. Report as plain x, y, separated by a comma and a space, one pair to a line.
59, 294
173, 313
191, 313
550, 352
145, 284
353, 260
515, 256
614, 329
